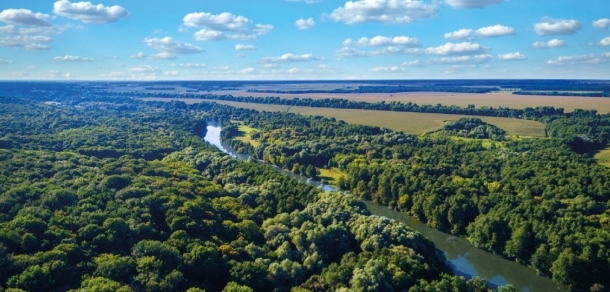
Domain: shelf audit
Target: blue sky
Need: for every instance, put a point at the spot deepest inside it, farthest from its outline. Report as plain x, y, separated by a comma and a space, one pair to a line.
305, 39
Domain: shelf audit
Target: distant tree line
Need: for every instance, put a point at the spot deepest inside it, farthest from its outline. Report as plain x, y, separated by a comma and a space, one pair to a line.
563, 93
386, 89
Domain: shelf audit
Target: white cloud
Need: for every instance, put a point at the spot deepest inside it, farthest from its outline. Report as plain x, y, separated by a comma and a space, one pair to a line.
36, 47
384, 41
465, 48
25, 17
385, 11
550, 26
462, 34
290, 58
603, 23
270, 65
591, 59
193, 66
472, 3
172, 73
210, 35
144, 69
512, 57
347, 52
394, 69
248, 70
13, 30
160, 56
305, 23
30, 43
495, 31
318, 70
245, 48
554, 43
56, 74
476, 59
240, 55
70, 58
169, 45
2, 61
89, 13
224, 26
603, 43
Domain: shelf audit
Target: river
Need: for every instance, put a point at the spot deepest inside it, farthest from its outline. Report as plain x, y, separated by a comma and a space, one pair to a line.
465, 259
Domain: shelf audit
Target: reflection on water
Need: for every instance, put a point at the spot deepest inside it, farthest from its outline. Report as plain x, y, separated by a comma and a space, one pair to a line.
465, 259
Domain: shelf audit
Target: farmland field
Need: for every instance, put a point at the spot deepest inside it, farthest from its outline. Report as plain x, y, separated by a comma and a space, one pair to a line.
569, 103
412, 123
602, 157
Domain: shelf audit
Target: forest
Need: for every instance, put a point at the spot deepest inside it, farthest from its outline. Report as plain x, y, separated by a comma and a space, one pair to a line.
117, 193
541, 202
134, 200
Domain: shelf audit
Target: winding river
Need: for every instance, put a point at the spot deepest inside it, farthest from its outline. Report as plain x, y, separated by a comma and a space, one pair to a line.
465, 259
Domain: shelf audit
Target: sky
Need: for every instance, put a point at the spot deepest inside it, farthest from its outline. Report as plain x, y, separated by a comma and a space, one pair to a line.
304, 39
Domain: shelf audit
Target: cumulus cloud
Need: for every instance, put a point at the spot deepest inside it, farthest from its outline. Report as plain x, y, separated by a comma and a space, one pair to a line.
193, 66
591, 59
248, 70
2, 61
245, 48
347, 52
472, 3
495, 31
603, 43
554, 43
160, 56
13, 30
475, 59
224, 26
384, 41
169, 45
385, 11
512, 57
172, 73
318, 70
550, 26
290, 58
462, 49
30, 43
37, 47
56, 74
462, 34
90, 13
466, 48
394, 69
25, 17
144, 69
70, 58
305, 23
603, 23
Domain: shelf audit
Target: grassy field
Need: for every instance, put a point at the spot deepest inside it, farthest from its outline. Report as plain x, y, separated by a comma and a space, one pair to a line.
504, 99
330, 176
602, 157
245, 133
412, 123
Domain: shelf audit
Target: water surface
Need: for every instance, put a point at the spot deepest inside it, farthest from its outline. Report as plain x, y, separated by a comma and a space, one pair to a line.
463, 257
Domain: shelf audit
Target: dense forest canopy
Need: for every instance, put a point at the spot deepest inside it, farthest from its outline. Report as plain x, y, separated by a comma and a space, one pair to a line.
180, 216
107, 193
